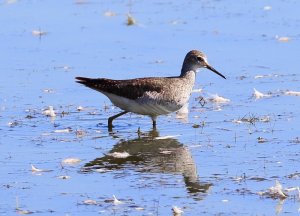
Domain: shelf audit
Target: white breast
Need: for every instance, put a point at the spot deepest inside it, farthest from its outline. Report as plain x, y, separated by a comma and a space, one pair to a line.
144, 105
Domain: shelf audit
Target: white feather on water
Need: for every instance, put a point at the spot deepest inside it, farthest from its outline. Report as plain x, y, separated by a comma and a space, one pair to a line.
177, 211
259, 95
116, 201
292, 93
49, 112
218, 99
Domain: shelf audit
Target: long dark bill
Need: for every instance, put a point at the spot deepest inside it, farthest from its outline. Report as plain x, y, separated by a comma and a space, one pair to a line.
214, 70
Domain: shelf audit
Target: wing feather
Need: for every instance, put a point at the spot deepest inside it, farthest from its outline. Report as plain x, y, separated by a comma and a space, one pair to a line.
132, 88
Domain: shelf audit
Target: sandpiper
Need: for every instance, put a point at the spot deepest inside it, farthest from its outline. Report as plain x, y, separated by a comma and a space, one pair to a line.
152, 96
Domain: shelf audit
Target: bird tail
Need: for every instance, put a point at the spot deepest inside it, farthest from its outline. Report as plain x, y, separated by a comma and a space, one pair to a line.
83, 80
88, 82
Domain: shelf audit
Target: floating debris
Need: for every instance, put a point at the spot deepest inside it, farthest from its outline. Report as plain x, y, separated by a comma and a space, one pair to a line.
259, 95
267, 8
67, 130
29, 117
265, 119
116, 201
239, 178
64, 67
80, 133
218, 108
283, 39
201, 100
252, 119
119, 154
13, 123
265, 75
130, 20
109, 14
64, 177
71, 161
296, 140
177, 211
259, 76
38, 33
90, 202
257, 178
218, 99
176, 22
20, 211
292, 93
237, 121
275, 192
158, 61
261, 140
34, 169
80, 108
295, 175
49, 112
48, 90
196, 126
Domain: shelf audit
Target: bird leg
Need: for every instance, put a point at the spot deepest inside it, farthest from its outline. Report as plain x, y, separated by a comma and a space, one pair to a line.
110, 119
154, 121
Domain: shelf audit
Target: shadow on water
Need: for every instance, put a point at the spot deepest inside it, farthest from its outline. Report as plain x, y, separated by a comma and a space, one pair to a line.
150, 153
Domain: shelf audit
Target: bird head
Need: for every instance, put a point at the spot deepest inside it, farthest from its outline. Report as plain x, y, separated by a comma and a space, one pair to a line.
195, 60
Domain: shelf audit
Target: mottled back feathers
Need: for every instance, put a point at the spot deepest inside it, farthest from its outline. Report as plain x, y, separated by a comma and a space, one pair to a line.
131, 89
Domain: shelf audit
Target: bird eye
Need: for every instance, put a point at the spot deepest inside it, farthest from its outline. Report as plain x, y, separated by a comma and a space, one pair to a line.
199, 58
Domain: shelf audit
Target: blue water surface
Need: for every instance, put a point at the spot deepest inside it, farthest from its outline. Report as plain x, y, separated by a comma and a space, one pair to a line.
215, 162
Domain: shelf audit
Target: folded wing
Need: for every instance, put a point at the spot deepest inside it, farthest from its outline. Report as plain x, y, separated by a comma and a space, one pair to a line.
131, 89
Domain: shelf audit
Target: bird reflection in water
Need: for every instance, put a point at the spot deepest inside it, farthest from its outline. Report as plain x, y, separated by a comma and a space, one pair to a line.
148, 153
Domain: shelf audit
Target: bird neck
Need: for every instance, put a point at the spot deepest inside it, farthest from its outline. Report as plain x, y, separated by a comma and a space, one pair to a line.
189, 76
186, 71
186, 67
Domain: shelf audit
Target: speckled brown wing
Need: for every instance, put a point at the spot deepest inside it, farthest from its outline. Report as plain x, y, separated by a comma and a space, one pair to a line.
132, 88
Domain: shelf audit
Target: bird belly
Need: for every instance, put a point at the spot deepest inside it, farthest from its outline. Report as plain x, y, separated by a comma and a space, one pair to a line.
143, 106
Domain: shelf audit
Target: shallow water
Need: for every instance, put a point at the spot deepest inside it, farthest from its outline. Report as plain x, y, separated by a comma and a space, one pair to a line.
214, 162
